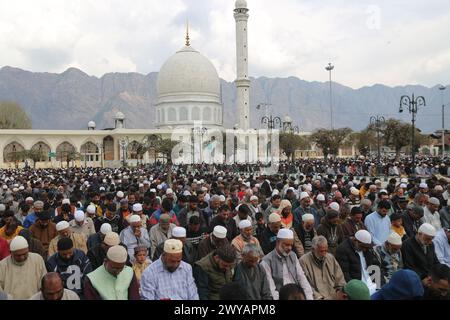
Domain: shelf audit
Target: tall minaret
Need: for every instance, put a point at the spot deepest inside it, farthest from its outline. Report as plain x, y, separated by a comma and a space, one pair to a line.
242, 80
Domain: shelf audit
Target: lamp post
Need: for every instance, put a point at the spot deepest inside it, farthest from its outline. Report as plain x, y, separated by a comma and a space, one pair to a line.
100, 147
329, 68
442, 88
124, 141
378, 121
412, 104
271, 122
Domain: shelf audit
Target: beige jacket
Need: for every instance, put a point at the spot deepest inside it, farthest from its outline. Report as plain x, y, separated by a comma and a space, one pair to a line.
79, 242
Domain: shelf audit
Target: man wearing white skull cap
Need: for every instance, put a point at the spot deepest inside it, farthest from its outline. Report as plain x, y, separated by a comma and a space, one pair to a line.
64, 231
134, 235
245, 237
391, 256
113, 280
82, 224
169, 277
282, 266
21, 272
419, 252
97, 238
178, 233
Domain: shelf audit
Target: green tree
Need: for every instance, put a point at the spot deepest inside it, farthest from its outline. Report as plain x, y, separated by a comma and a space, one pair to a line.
331, 140
398, 136
290, 142
12, 116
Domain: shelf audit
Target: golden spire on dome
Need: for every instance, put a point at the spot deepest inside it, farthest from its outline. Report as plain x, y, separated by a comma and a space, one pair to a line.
187, 34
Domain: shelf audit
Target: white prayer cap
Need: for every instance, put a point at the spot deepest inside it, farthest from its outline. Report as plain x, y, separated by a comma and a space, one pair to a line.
222, 198
146, 182
105, 228
304, 195
403, 180
383, 190
423, 185
173, 246
134, 218
253, 198
15, 190
111, 239
363, 236
5, 187
79, 216
91, 209
285, 234
320, 197
377, 181
275, 191
448, 202
137, 207
334, 206
117, 254
18, 243
120, 194
159, 186
354, 191
427, 229
186, 193
66, 201
220, 232
274, 217
308, 187
153, 190
62, 225
2, 207
334, 186
21, 188
29, 199
245, 224
179, 232
102, 189
403, 186
438, 188
394, 239
141, 185
307, 217
434, 201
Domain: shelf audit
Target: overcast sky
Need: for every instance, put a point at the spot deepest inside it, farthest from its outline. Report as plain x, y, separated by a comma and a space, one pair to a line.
390, 42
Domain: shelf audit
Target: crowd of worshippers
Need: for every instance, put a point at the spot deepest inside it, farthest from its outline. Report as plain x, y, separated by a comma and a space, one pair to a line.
164, 233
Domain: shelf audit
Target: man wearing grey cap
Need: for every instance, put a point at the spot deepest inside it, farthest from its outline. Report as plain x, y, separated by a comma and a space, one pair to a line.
38, 207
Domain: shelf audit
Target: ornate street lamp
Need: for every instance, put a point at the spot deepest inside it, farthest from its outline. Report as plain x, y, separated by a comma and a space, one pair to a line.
378, 121
413, 105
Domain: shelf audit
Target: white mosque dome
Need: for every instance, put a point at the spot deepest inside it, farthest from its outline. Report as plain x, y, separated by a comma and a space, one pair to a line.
241, 4
91, 124
119, 116
287, 119
188, 72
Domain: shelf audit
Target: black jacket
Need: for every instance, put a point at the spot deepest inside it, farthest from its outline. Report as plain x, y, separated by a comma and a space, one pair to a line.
415, 259
349, 261
411, 226
267, 240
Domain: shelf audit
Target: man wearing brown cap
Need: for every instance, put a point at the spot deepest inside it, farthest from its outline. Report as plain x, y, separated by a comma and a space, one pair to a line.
214, 271
113, 280
161, 232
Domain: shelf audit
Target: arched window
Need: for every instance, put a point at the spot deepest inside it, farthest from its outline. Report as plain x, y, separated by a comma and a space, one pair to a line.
133, 150
195, 113
65, 152
172, 116
41, 150
184, 114
108, 148
89, 152
207, 115
13, 152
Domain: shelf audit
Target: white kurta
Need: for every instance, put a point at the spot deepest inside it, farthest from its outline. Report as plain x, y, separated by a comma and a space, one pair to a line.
21, 282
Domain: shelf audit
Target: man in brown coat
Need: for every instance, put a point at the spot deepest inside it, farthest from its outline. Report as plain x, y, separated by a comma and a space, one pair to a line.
353, 223
331, 230
44, 229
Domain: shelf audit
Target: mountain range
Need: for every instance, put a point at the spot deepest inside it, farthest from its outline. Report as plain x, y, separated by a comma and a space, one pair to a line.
71, 99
